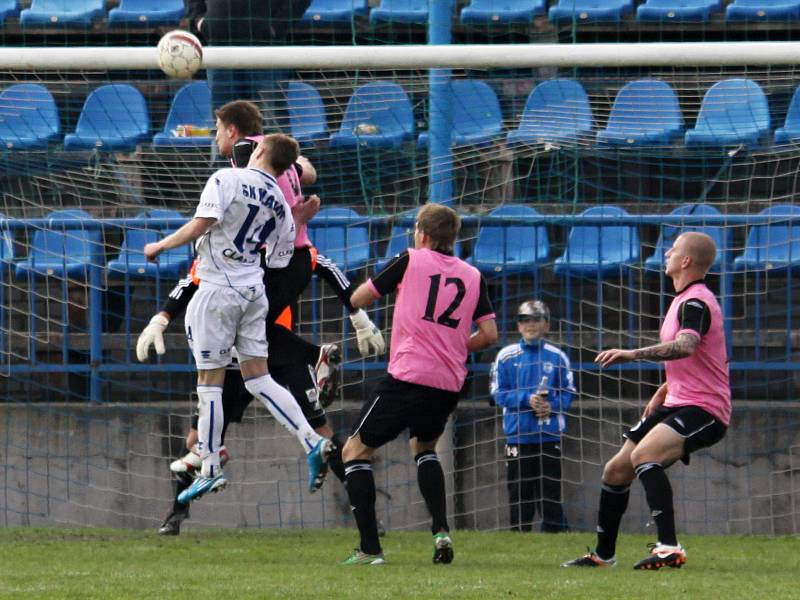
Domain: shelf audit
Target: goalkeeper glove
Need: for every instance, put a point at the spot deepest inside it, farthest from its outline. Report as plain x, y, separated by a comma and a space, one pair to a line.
368, 337
152, 335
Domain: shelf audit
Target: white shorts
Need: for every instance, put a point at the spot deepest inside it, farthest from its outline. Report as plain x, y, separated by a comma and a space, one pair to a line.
220, 317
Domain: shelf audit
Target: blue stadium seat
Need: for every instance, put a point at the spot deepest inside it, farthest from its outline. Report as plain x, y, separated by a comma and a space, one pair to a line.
335, 11
588, 11
722, 236
599, 249
763, 10
146, 12
733, 112
62, 13
502, 11
378, 115
191, 106
401, 11
113, 118
557, 111
131, 260
677, 10
8, 8
772, 247
511, 248
61, 249
400, 238
28, 117
790, 132
477, 119
346, 245
307, 120
645, 113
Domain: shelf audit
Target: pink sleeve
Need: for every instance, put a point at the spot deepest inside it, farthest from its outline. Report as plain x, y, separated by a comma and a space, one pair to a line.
373, 289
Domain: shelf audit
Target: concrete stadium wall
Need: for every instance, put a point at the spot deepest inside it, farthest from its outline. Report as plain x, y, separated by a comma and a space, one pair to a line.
106, 466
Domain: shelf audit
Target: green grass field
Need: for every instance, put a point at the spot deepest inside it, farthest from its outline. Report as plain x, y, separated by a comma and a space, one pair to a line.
222, 564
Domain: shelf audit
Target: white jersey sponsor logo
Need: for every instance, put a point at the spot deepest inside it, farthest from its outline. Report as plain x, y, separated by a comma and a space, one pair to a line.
251, 216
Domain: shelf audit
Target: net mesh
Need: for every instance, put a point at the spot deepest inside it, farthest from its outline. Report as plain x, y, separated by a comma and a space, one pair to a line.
563, 142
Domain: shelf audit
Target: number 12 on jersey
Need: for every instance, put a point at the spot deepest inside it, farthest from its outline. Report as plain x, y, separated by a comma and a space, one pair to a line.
445, 317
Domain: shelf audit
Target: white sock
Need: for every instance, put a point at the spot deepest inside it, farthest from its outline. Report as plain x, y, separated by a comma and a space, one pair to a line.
280, 402
209, 427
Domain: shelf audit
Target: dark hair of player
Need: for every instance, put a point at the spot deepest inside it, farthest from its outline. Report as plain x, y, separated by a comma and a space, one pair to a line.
242, 114
441, 223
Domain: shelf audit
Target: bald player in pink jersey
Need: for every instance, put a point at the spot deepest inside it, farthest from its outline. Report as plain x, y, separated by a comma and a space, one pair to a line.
439, 297
690, 411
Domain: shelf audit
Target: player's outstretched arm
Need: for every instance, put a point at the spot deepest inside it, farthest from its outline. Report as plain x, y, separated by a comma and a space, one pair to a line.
363, 296
188, 232
681, 347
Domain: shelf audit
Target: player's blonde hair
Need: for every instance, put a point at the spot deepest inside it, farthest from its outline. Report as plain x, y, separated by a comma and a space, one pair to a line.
701, 247
441, 224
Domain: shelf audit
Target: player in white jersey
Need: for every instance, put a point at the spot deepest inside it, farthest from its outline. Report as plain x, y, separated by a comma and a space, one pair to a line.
241, 213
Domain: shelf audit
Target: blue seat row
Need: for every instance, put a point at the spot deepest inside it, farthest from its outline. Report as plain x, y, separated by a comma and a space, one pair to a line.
486, 12
593, 250
81, 13
62, 249
379, 114
590, 250
647, 113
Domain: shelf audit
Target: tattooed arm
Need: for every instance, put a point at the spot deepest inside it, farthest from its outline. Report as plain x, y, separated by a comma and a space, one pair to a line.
681, 347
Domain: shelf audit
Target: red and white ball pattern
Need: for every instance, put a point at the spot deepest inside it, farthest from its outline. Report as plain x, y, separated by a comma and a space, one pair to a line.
180, 54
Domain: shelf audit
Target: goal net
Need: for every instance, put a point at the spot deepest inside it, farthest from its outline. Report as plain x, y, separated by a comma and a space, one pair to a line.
572, 180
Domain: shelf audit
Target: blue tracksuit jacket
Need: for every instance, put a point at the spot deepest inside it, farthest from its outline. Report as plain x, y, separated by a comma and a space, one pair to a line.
516, 373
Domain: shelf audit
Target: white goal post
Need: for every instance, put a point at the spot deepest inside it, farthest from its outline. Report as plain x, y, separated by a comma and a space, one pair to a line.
465, 56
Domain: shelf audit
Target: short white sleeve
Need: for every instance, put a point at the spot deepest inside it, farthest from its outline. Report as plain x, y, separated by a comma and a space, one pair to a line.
217, 195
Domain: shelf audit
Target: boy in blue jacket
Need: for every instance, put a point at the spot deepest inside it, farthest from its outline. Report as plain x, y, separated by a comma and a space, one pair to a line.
532, 382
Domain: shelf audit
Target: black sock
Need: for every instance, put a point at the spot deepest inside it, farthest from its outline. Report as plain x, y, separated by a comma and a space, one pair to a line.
335, 459
659, 499
613, 504
431, 483
360, 486
182, 481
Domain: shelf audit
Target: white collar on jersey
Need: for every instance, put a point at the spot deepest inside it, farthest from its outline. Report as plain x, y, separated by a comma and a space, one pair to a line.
264, 173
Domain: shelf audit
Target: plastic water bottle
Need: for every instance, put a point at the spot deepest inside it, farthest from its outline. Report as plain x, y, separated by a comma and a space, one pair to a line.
542, 392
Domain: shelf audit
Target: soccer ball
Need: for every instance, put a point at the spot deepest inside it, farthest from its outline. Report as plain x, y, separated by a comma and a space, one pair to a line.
180, 54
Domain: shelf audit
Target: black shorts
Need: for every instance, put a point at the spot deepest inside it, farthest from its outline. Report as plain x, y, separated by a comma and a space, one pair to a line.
396, 405
286, 285
297, 379
698, 428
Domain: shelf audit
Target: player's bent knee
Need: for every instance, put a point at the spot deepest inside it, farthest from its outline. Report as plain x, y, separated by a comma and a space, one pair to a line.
617, 473
355, 449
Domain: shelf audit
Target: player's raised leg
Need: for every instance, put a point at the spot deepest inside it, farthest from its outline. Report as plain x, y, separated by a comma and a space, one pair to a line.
280, 403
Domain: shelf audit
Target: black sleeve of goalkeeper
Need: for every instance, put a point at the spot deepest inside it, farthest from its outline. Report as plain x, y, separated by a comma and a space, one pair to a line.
334, 277
179, 297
